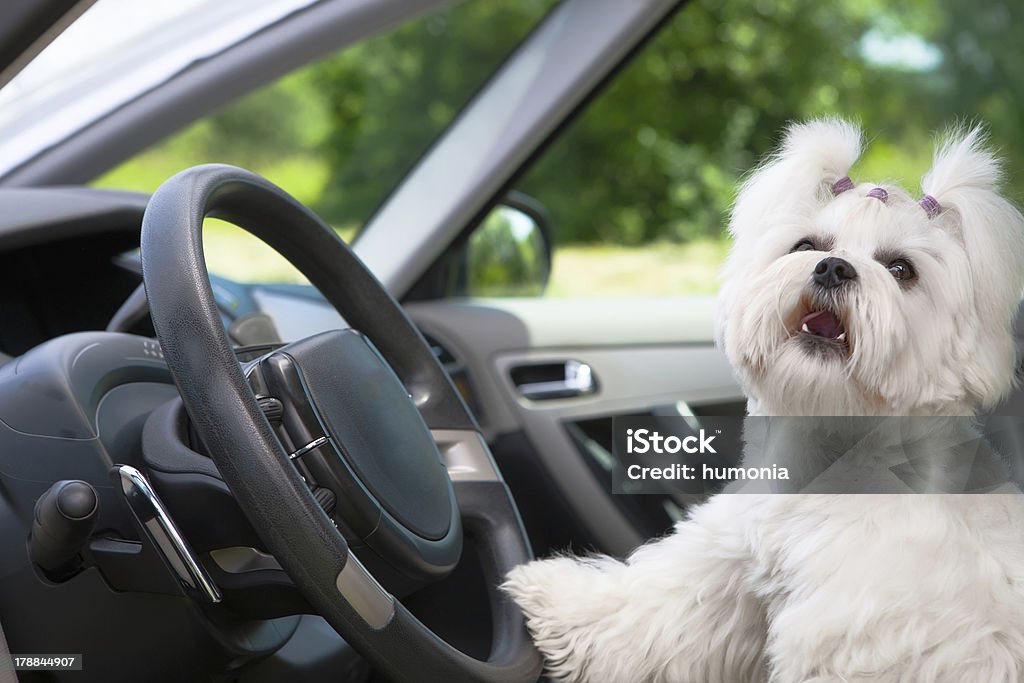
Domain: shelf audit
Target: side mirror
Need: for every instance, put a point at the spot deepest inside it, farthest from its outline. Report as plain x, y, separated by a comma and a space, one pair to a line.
508, 253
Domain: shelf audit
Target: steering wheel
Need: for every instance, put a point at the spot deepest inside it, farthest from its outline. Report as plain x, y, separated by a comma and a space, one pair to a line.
368, 415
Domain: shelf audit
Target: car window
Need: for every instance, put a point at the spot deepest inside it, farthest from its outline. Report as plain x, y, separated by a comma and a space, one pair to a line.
638, 186
114, 51
341, 133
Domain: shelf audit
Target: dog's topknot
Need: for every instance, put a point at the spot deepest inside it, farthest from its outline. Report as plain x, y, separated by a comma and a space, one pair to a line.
813, 155
962, 162
825, 147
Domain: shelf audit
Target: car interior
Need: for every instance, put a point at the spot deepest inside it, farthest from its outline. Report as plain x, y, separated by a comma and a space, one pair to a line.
203, 478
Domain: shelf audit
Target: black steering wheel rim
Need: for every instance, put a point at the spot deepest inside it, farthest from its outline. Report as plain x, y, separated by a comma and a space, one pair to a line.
251, 459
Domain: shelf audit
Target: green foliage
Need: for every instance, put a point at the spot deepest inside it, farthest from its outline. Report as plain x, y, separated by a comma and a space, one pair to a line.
391, 97
655, 158
659, 155
275, 131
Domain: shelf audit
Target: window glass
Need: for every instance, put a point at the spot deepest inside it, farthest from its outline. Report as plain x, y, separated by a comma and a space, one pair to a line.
114, 51
341, 133
639, 186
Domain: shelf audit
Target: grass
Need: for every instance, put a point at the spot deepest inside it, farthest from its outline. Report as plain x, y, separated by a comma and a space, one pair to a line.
659, 269
235, 254
579, 271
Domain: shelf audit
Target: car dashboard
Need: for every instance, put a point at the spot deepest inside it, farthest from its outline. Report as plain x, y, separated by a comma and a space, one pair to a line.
69, 260
59, 267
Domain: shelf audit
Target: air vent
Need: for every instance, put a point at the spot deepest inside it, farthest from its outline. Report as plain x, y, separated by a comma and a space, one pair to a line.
456, 370
439, 351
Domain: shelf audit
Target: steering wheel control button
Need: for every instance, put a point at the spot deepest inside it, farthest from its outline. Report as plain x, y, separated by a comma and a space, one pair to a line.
271, 407
311, 446
325, 498
277, 376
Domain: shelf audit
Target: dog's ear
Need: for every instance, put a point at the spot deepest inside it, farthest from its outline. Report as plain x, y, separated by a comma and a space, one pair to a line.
962, 196
813, 155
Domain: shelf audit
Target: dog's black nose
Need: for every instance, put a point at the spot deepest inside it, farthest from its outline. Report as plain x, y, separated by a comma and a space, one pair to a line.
832, 272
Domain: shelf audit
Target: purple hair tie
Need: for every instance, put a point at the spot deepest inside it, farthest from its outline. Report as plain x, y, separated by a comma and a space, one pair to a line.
930, 205
879, 193
842, 185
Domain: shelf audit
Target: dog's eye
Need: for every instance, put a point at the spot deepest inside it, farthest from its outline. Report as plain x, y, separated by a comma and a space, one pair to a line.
804, 245
901, 270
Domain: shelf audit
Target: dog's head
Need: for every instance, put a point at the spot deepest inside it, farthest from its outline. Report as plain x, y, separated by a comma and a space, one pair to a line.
843, 299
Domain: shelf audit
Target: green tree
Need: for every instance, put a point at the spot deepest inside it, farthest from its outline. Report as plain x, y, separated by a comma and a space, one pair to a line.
659, 155
390, 97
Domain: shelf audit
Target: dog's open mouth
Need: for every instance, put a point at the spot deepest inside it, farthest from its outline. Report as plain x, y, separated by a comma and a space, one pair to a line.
825, 324
822, 330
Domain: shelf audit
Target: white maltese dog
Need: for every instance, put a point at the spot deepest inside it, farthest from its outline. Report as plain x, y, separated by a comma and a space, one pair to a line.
839, 300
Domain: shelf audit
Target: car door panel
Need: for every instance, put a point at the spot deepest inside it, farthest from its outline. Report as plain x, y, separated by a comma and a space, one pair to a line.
645, 356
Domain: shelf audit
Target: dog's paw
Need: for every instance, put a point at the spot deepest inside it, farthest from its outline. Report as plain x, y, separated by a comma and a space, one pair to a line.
541, 588
566, 603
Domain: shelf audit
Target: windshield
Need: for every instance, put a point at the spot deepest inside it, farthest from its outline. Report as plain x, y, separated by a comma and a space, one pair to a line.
339, 134
114, 51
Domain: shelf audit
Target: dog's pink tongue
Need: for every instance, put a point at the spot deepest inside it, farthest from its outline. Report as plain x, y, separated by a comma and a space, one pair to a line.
822, 324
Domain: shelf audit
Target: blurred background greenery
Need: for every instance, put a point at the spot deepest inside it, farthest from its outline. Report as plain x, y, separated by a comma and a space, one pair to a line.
639, 185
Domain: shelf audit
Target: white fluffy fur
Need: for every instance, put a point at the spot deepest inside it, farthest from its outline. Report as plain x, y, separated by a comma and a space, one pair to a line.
815, 588
942, 347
